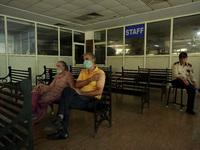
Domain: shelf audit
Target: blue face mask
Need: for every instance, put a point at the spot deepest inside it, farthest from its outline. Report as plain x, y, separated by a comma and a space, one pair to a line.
59, 71
87, 64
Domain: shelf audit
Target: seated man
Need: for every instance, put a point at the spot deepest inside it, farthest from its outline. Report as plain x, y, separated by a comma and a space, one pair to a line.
89, 86
183, 77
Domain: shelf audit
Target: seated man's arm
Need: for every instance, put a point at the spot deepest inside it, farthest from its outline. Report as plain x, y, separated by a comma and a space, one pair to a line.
80, 84
99, 89
71, 82
192, 77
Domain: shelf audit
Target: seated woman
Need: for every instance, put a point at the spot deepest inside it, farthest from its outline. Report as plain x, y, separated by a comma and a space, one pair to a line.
43, 95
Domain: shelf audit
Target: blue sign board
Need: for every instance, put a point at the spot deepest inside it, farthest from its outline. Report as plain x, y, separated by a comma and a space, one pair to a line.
134, 31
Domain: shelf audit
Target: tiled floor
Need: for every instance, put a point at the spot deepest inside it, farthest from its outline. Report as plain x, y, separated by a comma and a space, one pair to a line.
158, 128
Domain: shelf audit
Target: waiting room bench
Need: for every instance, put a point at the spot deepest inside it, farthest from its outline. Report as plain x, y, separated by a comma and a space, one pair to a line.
15, 133
159, 78
15, 76
132, 82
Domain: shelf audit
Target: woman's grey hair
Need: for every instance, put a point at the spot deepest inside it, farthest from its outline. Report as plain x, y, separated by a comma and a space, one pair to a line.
91, 55
63, 64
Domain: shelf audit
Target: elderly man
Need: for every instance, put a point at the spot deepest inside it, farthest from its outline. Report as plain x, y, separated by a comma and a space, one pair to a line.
183, 77
89, 86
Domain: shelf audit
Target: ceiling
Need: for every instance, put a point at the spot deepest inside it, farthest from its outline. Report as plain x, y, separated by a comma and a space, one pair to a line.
76, 14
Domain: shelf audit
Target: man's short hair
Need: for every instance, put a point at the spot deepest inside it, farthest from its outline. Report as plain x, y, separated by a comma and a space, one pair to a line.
92, 56
183, 55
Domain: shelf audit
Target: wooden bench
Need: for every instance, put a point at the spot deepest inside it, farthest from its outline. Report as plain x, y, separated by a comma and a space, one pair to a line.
132, 82
158, 78
46, 77
14, 132
15, 76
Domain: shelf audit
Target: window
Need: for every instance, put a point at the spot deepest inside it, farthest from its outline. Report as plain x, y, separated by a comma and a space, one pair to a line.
79, 37
134, 46
158, 37
186, 34
100, 46
79, 48
115, 42
21, 37
100, 36
2, 36
47, 39
100, 51
65, 42
79, 51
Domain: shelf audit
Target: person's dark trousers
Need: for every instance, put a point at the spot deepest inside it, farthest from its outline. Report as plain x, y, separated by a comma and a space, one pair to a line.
190, 91
71, 100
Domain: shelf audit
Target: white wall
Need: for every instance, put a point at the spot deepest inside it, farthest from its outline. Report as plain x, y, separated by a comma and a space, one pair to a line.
48, 61
157, 62
89, 35
67, 59
23, 62
116, 63
133, 62
3, 66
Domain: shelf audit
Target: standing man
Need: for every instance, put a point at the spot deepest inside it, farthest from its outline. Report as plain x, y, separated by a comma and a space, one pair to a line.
89, 86
183, 77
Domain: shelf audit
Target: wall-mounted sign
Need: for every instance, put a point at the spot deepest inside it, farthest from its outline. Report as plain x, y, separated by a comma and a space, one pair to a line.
134, 31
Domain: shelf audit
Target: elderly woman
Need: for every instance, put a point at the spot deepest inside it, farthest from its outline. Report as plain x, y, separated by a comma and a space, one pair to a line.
43, 95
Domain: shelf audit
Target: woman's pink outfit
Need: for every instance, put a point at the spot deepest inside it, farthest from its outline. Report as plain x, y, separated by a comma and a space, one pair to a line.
44, 96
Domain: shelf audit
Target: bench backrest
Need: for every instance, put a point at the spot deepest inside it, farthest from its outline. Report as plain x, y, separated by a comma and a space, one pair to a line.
107, 92
106, 69
108, 80
16, 75
48, 72
169, 75
158, 77
14, 132
132, 79
76, 70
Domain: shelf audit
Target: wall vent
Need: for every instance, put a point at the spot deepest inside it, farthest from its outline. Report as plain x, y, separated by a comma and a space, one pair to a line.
60, 25
90, 16
150, 2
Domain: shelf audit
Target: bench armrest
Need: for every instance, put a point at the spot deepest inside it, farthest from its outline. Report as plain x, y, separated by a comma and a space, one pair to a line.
4, 79
40, 78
